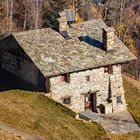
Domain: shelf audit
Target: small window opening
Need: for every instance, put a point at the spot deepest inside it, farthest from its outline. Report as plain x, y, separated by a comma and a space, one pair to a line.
108, 69
65, 78
119, 100
67, 100
87, 78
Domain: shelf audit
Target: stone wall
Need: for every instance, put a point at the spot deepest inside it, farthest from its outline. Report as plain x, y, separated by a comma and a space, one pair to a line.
20, 67
108, 38
117, 89
78, 86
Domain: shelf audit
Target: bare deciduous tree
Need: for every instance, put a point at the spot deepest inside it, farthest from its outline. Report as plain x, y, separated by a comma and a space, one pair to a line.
28, 14
11, 15
38, 6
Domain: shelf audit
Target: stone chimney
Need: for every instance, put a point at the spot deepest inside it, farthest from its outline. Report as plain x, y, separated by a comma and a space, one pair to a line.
108, 38
62, 22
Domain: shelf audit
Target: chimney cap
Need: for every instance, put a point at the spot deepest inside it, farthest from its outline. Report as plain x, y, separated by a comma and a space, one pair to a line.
109, 29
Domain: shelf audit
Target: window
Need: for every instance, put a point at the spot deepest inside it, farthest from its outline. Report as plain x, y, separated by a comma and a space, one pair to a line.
108, 69
65, 78
87, 78
119, 100
67, 100
118, 65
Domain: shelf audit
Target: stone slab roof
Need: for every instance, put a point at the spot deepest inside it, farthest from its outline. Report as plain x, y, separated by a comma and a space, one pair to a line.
55, 55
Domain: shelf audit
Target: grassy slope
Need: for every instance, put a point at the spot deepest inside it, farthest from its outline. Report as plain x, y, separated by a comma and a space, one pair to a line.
133, 97
132, 88
36, 113
8, 136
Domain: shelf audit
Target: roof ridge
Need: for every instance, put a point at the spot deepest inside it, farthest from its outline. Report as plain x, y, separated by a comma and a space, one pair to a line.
32, 30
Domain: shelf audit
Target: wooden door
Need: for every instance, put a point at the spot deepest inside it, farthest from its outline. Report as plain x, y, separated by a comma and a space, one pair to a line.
94, 95
90, 102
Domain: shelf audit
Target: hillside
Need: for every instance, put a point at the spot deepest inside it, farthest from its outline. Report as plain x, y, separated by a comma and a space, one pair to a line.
38, 114
35, 113
8, 136
132, 88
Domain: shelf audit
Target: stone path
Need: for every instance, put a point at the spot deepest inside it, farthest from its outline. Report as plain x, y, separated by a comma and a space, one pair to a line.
119, 123
90, 115
21, 133
116, 123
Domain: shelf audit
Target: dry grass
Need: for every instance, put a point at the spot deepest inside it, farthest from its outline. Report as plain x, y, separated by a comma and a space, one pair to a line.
36, 113
131, 136
132, 81
132, 88
8, 136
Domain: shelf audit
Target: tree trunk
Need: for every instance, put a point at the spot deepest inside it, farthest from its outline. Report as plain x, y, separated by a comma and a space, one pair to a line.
7, 12
11, 15
125, 35
25, 18
37, 14
136, 71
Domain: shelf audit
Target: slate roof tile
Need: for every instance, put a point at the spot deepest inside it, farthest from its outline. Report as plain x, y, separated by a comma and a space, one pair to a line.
54, 55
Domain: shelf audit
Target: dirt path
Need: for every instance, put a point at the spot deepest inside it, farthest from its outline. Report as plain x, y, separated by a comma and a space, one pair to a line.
134, 82
21, 133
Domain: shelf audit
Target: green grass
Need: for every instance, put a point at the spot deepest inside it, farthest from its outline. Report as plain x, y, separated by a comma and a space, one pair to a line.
36, 113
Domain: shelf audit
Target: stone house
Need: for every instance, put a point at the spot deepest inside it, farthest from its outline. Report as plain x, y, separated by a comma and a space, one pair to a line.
80, 66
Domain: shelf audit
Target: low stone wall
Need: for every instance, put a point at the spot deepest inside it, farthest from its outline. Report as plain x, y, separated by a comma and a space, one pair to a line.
19, 67
99, 81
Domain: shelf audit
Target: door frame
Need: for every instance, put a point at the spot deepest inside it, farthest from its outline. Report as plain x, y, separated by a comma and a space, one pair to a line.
93, 101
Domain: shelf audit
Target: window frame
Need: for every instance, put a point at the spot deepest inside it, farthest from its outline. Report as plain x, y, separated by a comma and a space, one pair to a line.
65, 77
87, 78
67, 100
108, 69
119, 99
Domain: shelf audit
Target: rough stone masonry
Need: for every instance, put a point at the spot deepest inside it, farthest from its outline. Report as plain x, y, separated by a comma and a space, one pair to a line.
99, 81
